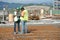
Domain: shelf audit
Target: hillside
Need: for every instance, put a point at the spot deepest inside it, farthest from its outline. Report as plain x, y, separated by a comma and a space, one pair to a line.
15, 5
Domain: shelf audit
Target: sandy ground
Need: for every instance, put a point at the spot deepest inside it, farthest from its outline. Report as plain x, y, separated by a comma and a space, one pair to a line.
44, 32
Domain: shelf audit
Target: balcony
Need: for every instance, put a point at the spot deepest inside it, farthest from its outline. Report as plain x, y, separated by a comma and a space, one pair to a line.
56, 0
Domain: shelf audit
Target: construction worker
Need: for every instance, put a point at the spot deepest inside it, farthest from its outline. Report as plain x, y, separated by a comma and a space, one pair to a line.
16, 20
24, 19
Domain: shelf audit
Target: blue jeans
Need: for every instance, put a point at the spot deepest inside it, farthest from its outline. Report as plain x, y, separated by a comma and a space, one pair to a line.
24, 27
18, 23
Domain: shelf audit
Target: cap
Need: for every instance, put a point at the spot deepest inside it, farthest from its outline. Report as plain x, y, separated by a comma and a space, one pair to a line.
18, 8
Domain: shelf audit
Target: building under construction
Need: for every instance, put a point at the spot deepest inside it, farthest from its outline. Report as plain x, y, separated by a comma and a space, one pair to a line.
56, 6
36, 12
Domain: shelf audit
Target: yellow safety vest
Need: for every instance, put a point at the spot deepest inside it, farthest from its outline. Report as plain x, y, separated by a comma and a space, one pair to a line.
25, 16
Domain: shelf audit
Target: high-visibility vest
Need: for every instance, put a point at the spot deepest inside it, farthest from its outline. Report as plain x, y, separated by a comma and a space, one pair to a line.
25, 16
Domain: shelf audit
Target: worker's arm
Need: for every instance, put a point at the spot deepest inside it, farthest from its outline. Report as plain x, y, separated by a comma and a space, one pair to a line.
22, 14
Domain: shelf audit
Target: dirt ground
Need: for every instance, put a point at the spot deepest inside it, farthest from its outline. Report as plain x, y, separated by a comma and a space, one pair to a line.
46, 32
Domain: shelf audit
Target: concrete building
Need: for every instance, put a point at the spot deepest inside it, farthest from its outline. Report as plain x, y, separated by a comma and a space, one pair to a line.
36, 11
56, 4
56, 7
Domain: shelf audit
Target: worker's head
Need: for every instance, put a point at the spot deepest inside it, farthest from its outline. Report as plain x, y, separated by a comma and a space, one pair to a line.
18, 9
22, 9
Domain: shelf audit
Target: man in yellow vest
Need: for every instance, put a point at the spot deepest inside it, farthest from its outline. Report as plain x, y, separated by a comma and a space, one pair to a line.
24, 19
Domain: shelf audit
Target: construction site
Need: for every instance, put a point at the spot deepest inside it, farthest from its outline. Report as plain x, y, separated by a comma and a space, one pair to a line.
43, 24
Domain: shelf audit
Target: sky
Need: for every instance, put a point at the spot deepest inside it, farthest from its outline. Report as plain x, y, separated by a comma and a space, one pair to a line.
26, 1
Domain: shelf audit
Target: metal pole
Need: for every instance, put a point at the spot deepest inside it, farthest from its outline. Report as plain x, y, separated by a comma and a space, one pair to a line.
53, 4
3, 13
